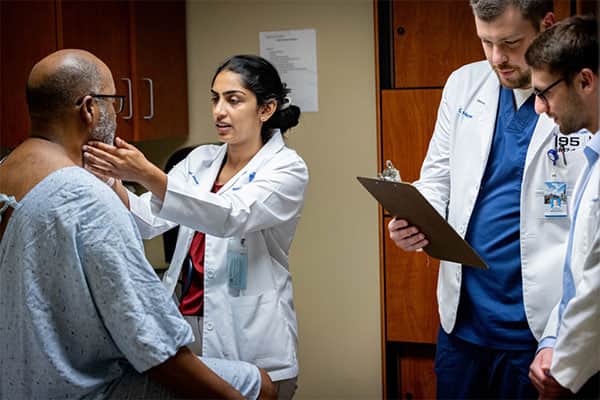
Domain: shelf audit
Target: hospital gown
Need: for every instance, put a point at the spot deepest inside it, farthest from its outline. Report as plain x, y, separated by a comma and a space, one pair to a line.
82, 313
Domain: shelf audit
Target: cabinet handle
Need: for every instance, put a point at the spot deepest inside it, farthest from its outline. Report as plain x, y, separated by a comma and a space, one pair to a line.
400, 30
151, 84
129, 98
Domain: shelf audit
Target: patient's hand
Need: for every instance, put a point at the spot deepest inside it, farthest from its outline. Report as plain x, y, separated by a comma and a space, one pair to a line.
268, 390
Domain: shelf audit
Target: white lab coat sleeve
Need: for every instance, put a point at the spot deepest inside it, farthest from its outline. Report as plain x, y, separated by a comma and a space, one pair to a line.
148, 224
434, 182
275, 196
552, 324
577, 351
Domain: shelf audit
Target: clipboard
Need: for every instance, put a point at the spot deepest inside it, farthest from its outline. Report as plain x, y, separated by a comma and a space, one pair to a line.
404, 201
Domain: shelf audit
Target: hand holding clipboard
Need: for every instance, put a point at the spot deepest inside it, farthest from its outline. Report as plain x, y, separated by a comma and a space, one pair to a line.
404, 201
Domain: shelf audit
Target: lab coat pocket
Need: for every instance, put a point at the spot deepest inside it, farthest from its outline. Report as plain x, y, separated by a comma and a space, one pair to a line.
588, 218
262, 332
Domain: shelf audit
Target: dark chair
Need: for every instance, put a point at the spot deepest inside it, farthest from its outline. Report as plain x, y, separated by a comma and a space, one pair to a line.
170, 236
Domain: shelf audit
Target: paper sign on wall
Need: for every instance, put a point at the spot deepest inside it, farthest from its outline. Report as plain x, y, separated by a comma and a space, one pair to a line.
294, 54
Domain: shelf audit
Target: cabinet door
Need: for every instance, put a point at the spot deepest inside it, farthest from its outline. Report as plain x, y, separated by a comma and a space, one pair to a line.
411, 311
431, 39
408, 119
417, 374
102, 27
160, 69
27, 34
587, 7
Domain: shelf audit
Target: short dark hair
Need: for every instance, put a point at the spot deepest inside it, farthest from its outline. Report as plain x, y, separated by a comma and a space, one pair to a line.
532, 10
566, 47
261, 77
49, 98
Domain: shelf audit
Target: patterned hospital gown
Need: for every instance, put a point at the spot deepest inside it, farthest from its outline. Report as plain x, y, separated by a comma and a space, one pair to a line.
82, 313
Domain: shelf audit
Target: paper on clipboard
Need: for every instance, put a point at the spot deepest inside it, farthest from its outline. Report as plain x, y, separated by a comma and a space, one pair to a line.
404, 201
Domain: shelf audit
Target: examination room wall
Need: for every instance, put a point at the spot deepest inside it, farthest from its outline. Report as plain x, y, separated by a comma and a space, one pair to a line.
334, 258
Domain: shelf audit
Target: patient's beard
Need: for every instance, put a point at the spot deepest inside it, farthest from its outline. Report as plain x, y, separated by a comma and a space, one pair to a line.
104, 131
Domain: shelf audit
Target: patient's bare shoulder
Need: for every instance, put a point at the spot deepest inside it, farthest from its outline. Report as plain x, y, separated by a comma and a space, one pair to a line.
28, 164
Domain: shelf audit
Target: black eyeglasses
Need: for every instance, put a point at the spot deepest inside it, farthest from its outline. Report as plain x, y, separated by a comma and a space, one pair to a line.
542, 93
119, 100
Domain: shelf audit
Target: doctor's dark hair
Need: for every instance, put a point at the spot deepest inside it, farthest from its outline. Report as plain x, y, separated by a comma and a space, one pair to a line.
566, 48
532, 10
260, 76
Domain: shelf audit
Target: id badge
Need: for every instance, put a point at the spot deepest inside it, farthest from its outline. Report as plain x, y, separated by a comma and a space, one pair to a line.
555, 199
237, 265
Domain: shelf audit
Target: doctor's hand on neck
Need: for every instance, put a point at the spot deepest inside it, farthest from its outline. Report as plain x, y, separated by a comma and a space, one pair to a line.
124, 161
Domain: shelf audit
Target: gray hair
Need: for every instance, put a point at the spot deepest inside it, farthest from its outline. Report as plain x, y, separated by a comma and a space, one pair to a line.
532, 10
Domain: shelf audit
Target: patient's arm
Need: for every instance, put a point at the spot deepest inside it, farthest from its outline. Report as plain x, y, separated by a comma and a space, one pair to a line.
186, 376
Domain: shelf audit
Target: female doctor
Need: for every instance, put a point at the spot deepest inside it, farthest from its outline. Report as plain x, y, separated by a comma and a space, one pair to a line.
237, 205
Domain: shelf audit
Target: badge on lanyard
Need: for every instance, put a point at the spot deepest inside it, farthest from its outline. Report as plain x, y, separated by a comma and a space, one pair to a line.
237, 265
555, 191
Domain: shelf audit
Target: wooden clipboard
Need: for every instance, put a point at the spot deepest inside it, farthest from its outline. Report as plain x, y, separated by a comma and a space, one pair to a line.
404, 201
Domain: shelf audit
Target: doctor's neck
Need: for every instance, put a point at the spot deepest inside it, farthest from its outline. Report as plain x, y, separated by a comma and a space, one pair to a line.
238, 155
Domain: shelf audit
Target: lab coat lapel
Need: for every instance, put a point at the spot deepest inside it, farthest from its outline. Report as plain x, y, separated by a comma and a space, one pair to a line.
266, 152
488, 101
544, 128
208, 170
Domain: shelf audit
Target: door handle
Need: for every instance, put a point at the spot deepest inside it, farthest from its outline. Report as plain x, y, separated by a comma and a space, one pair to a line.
130, 115
151, 85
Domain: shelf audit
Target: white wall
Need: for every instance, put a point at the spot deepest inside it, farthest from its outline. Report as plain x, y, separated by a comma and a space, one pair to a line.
334, 258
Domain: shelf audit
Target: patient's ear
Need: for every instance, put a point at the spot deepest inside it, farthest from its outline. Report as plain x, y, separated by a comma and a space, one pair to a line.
87, 110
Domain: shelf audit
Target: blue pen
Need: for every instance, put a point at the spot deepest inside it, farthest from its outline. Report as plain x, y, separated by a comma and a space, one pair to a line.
194, 177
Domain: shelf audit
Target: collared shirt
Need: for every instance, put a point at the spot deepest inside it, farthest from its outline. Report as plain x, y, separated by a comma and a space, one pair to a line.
591, 152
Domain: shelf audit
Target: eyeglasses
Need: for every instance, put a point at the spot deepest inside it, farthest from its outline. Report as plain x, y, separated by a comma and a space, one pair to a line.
119, 100
542, 93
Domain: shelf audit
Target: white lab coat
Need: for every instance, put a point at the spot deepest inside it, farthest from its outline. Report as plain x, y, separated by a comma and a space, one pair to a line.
262, 204
577, 349
451, 177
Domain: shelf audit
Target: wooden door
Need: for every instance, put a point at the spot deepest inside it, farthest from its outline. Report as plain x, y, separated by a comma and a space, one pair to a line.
587, 7
160, 69
408, 119
431, 39
410, 278
102, 27
27, 34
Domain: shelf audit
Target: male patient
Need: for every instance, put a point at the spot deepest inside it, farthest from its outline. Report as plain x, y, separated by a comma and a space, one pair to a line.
82, 313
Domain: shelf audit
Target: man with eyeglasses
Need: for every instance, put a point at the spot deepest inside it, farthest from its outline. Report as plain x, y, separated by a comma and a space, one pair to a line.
564, 62
488, 171
82, 313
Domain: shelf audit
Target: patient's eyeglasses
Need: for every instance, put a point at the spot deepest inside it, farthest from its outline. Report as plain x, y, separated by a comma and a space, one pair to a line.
118, 100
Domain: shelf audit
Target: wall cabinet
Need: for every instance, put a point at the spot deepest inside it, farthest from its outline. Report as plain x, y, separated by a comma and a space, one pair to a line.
27, 33
142, 42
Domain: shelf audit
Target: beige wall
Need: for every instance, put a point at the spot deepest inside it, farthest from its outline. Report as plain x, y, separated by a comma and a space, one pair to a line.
334, 258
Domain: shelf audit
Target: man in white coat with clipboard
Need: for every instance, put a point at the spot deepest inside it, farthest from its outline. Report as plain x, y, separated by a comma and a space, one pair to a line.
487, 170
